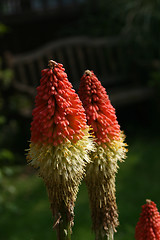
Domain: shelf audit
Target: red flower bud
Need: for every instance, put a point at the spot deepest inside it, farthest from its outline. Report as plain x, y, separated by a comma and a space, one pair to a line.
99, 111
58, 114
148, 226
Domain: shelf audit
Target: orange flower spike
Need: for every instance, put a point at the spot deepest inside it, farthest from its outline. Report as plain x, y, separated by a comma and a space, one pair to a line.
148, 226
99, 111
110, 148
55, 89
60, 140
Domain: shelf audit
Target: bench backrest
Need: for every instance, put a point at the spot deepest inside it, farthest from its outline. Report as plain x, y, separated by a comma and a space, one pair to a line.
106, 57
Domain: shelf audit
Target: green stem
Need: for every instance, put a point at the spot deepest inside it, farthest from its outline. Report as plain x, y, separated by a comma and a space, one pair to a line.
101, 235
110, 234
64, 229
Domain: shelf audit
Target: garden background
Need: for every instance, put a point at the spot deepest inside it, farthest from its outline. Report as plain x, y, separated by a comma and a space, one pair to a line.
28, 25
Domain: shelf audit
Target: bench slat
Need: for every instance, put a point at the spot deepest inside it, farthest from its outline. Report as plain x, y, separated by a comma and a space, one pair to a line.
22, 74
81, 59
33, 73
72, 63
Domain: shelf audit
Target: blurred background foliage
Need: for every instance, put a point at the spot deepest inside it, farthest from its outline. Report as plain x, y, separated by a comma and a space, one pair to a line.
24, 205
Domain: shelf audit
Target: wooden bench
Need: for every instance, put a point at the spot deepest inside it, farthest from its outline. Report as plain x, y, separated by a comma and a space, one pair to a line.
107, 57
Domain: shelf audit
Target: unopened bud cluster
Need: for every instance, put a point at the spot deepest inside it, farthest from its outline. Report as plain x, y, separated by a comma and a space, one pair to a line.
148, 226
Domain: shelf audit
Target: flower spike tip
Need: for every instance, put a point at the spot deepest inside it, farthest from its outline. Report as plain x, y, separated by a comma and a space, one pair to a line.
148, 226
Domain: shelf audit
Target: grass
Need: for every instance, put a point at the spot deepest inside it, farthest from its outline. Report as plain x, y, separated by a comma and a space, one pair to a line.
137, 180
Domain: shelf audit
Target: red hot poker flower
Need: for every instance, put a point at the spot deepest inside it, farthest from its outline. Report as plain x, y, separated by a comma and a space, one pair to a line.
60, 141
110, 149
148, 226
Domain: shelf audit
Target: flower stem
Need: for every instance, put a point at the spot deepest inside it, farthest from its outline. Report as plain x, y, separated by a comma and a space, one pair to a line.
63, 231
110, 234
63, 228
101, 235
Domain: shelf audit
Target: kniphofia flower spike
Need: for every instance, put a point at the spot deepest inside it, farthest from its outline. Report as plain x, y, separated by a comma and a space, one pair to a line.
148, 226
60, 142
110, 148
